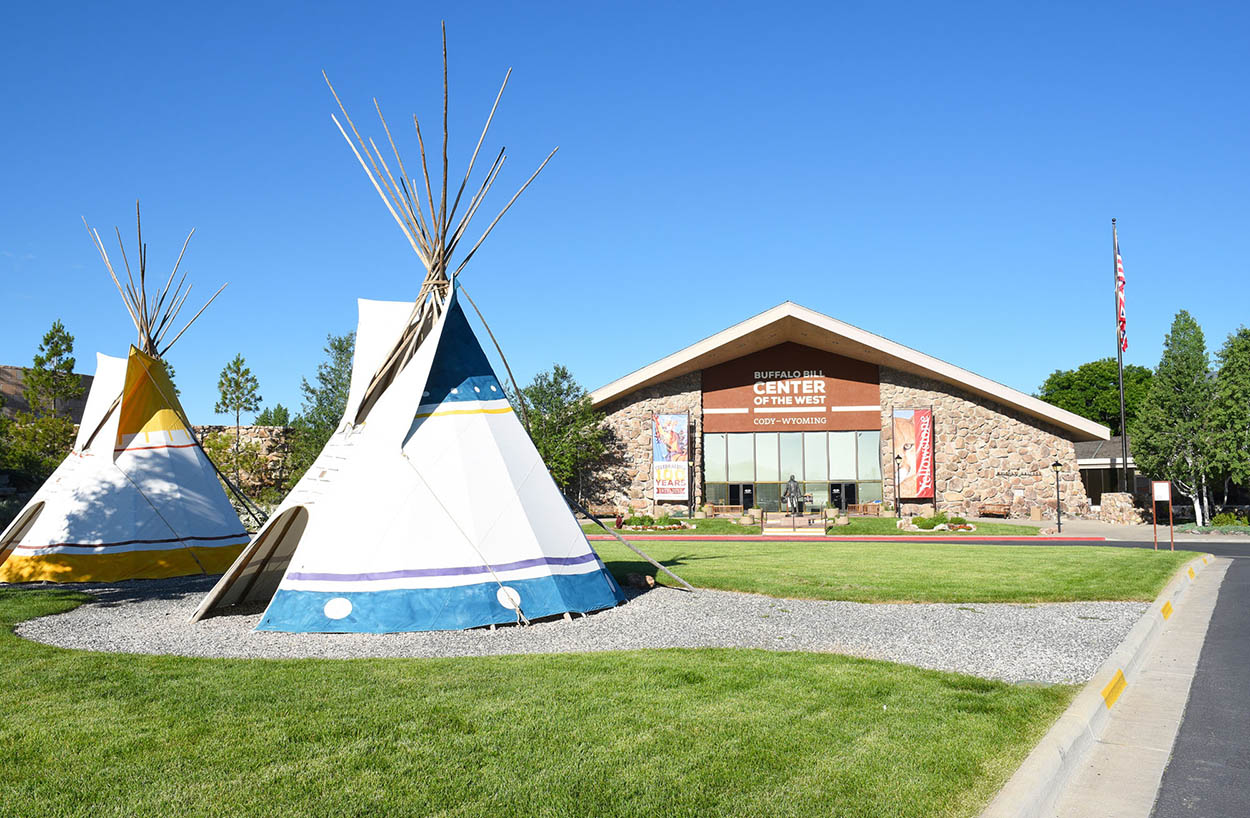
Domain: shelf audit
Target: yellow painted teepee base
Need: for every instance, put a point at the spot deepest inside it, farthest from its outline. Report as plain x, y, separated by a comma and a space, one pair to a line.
174, 562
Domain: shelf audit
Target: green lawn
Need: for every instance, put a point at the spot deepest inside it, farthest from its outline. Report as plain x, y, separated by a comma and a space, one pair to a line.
907, 572
672, 733
888, 526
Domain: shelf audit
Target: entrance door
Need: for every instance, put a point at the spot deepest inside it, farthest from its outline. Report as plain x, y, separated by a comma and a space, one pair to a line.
742, 494
841, 495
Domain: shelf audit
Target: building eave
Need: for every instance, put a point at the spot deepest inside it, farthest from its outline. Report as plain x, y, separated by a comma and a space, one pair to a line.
798, 324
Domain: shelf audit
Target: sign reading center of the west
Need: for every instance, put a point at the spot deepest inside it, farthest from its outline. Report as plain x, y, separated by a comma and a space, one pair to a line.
791, 388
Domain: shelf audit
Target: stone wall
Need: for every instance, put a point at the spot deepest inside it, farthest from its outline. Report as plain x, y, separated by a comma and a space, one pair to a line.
984, 452
274, 442
623, 479
1120, 508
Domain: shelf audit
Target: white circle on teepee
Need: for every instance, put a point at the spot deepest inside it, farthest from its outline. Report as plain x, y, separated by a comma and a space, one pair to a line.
338, 608
510, 598
455, 390
477, 389
492, 388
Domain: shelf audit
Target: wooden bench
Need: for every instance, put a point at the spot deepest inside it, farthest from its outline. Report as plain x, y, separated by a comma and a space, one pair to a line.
864, 509
603, 511
995, 510
726, 509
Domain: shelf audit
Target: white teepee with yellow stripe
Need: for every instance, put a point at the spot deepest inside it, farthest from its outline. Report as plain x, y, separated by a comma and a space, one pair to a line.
136, 498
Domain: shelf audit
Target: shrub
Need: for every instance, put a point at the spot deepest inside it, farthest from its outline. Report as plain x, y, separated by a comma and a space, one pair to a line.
957, 521
924, 523
1229, 518
939, 518
665, 519
640, 520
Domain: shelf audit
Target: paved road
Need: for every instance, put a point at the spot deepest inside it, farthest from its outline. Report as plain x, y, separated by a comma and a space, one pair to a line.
1208, 775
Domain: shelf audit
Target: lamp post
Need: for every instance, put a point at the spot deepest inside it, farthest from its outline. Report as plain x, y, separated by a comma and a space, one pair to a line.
1056, 467
898, 507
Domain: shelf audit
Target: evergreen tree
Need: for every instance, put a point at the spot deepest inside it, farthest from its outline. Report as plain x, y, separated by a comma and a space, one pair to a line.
1230, 413
239, 392
277, 415
324, 404
1172, 435
567, 432
50, 382
1092, 391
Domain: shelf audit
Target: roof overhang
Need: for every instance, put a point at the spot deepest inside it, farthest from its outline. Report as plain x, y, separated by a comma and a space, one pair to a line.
1102, 463
792, 322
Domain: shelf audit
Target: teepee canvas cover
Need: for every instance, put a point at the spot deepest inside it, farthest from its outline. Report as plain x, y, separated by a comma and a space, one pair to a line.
429, 508
135, 498
437, 513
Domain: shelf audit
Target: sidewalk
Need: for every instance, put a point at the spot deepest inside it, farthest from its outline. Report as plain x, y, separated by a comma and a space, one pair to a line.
1121, 773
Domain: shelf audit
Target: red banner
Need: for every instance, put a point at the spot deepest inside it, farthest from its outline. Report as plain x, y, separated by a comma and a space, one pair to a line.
913, 444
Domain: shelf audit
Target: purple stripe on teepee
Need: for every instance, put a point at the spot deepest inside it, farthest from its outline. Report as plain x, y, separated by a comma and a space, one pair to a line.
443, 572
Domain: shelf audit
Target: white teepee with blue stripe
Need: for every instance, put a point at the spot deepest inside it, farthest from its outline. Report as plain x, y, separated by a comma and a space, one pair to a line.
429, 508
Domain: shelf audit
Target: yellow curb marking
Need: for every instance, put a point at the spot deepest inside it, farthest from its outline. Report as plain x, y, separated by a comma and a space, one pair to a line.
1191, 573
1114, 688
1167, 609
1204, 560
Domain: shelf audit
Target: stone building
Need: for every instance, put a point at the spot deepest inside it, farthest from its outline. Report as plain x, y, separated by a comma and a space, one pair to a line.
13, 394
794, 392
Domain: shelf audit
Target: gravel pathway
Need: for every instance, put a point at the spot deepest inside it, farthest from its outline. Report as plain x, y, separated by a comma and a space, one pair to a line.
1054, 642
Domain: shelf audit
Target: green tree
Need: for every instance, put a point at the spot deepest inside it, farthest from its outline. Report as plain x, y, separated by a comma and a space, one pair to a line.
1092, 391
50, 382
169, 371
33, 446
323, 406
1230, 411
277, 415
1172, 436
246, 459
239, 392
567, 432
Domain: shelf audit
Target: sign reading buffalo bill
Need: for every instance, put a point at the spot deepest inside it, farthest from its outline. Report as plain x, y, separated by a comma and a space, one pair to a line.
791, 388
913, 443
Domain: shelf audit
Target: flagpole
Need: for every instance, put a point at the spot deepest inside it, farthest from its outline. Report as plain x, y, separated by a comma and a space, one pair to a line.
1119, 354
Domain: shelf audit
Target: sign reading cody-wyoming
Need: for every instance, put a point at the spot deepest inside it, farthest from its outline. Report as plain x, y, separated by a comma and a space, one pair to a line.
791, 388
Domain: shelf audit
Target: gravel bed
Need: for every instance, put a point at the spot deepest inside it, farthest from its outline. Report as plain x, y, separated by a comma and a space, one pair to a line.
1052, 642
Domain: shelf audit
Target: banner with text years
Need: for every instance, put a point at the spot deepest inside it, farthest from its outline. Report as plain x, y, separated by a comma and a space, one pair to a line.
670, 456
913, 443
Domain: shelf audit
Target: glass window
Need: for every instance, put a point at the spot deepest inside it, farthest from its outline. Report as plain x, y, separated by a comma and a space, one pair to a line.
766, 464
869, 445
741, 457
819, 492
869, 492
718, 494
791, 445
815, 456
715, 469
768, 496
841, 455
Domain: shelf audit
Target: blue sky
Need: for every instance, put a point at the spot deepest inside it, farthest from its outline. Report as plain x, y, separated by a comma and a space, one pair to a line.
941, 174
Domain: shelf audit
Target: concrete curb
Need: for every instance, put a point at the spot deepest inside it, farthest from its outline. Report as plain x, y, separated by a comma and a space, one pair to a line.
1033, 791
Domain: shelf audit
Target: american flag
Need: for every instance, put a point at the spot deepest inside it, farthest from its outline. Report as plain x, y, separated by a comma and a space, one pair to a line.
1122, 322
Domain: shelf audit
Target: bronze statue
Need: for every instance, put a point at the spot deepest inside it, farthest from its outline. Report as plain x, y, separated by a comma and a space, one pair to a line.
792, 495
